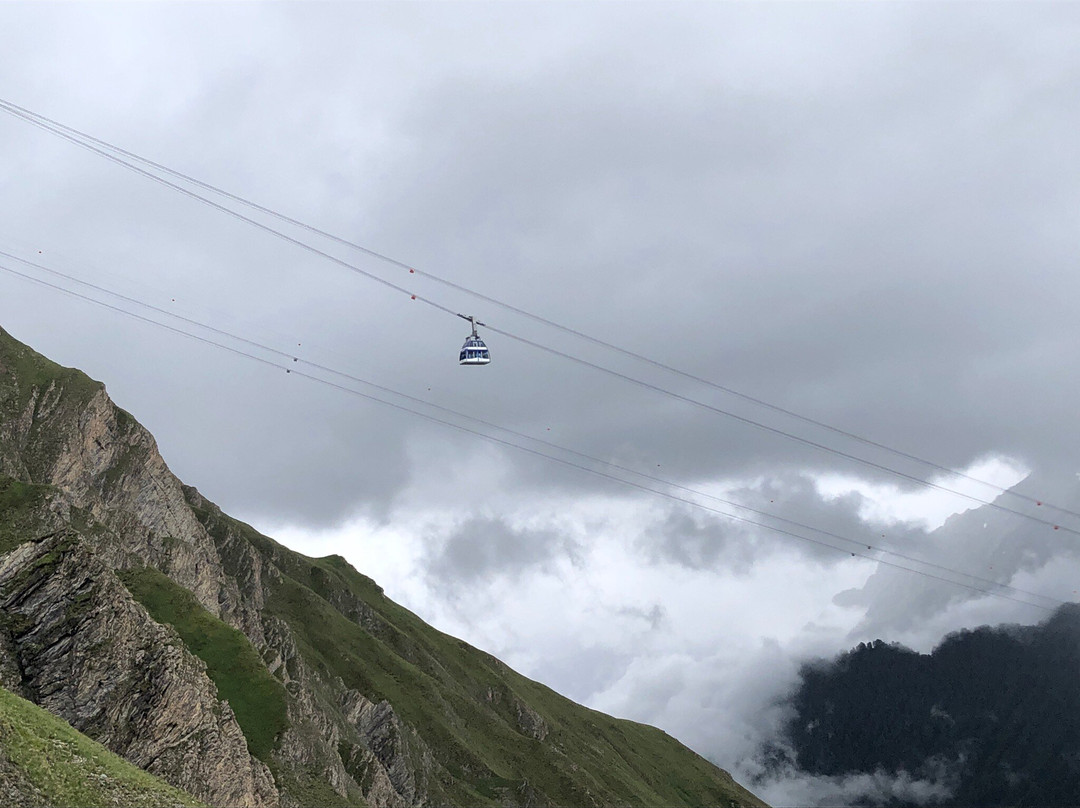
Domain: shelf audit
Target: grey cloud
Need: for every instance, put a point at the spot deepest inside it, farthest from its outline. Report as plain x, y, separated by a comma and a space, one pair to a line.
654, 617
798, 789
687, 538
990, 545
583, 670
826, 530
485, 547
841, 235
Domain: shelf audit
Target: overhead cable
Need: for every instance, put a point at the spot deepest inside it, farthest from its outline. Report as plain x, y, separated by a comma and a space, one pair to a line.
27, 114
855, 547
87, 142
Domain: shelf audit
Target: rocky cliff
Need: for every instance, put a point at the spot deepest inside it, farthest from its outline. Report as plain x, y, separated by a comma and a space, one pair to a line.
249, 675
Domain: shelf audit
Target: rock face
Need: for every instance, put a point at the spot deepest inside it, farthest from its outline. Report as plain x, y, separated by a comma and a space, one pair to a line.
87, 652
132, 607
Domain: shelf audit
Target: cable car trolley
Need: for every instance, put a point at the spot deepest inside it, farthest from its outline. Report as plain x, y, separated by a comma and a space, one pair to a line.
474, 351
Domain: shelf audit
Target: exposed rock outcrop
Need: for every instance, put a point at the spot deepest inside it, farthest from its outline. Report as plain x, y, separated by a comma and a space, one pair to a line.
393, 749
74, 438
79, 645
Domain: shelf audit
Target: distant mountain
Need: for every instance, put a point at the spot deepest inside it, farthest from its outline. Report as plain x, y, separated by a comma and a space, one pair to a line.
249, 675
995, 711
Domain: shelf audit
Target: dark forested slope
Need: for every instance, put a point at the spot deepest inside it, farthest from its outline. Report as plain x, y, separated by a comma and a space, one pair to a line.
998, 708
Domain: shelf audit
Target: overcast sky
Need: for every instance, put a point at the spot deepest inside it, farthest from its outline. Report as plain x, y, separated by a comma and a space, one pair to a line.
863, 213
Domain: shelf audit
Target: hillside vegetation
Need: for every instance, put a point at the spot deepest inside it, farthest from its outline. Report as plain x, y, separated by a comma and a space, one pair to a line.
495, 731
44, 762
233, 664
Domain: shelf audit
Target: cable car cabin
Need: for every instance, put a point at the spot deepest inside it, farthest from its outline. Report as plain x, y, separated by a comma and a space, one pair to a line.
474, 352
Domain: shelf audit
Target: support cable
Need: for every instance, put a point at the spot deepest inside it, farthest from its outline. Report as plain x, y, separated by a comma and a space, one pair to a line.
872, 552
73, 136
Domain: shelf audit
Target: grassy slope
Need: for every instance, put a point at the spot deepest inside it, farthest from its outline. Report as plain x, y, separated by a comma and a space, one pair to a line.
465, 703
22, 514
49, 763
257, 698
27, 369
462, 702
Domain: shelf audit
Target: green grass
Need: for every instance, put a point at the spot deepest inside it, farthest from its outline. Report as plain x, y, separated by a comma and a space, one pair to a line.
307, 786
21, 516
437, 685
26, 369
620, 758
49, 763
256, 697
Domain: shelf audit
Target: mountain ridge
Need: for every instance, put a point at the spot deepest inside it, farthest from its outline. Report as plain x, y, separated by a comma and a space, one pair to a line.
121, 586
990, 713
